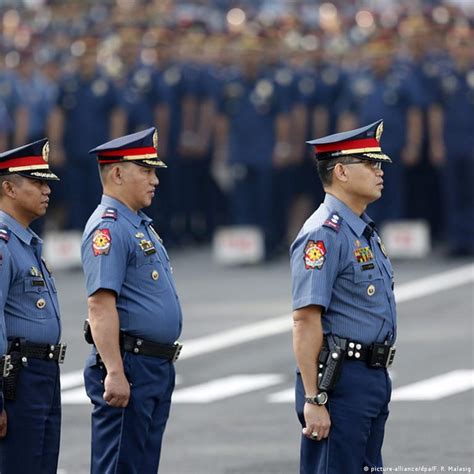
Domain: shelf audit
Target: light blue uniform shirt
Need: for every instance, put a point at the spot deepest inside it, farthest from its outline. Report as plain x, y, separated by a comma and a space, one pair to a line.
335, 266
28, 297
122, 253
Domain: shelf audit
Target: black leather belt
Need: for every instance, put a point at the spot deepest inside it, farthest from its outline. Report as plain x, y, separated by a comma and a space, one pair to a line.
53, 352
5, 366
375, 355
136, 345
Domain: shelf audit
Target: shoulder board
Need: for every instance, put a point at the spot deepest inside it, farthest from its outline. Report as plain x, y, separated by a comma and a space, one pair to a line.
110, 213
4, 233
334, 222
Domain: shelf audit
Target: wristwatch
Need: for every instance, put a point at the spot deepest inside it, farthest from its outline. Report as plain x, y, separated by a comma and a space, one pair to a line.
320, 399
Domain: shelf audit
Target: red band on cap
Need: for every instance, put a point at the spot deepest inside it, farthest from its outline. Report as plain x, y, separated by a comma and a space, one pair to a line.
348, 145
129, 151
23, 161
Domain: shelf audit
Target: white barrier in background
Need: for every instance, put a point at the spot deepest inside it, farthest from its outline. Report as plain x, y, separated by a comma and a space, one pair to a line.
238, 245
62, 250
407, 238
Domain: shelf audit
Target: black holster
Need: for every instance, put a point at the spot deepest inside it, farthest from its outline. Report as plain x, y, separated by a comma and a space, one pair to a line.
330, 362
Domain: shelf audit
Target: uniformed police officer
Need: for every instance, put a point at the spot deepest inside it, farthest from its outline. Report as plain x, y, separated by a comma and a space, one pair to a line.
134, 312
29, 307
344, 311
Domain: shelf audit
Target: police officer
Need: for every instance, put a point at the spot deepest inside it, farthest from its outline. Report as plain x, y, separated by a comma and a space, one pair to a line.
29, 306
452, 141
344, 311
384, 89
134, 312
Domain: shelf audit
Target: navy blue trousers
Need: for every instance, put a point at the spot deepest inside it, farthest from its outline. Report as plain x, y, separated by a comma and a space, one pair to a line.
128, 440
358, 408
34, 422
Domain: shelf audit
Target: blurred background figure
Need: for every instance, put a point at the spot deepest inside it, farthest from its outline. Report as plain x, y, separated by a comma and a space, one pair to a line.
452, 145
235, 92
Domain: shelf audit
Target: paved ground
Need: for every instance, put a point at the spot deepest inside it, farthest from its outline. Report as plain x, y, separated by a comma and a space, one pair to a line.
247, 432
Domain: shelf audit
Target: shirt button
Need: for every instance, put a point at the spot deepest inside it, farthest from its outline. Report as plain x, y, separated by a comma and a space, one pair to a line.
41, 303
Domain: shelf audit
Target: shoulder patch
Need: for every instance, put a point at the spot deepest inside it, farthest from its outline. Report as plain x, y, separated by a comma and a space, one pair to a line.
101, 242
4, 233
110, 213
314, 254
334, 222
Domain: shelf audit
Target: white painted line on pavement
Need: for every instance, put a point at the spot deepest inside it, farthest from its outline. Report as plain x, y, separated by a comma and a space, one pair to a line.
281, 324
435, 283
76, 396
225, 387
436, 387
72, 379
430, 389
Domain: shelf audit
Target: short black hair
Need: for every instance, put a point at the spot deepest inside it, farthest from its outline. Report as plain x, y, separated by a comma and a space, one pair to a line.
325, 168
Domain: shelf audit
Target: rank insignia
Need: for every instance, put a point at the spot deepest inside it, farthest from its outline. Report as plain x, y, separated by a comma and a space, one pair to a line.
382, 246
363, 254
101, 242
110, 213
147, 247
314, 255
333, 221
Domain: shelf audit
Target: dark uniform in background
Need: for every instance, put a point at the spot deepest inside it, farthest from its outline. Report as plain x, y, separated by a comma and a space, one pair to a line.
29, 307
122, 253
340, 266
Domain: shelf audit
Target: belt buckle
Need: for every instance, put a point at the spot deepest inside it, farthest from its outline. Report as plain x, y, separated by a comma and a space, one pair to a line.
7, 365
390, 356
178, 346
62, 353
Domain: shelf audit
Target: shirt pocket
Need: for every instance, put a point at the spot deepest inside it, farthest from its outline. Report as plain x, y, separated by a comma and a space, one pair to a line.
38, 303
369, 286
142, 259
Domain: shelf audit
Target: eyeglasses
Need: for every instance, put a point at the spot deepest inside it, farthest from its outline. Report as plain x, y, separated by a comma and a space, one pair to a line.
375, 165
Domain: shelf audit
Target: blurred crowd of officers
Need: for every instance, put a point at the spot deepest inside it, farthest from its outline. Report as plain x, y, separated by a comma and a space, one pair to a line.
233, 110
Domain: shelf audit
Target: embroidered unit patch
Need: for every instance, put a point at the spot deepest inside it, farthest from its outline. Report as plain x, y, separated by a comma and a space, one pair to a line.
314, 254
101, 242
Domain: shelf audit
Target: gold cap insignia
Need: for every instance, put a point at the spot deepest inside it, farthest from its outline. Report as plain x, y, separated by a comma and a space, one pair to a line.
45, 152
379, 131
155, 139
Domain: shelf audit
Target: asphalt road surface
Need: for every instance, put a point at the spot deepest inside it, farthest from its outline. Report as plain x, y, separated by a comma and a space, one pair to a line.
233, 407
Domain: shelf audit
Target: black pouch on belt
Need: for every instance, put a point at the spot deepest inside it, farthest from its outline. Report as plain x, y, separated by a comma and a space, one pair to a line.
10, 383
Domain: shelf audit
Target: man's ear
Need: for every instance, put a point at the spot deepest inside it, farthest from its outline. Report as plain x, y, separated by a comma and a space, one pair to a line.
9, 189
117, 174
339, 173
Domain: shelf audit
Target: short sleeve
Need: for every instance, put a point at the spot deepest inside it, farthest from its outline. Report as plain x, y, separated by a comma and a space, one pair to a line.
315, 258
105, 258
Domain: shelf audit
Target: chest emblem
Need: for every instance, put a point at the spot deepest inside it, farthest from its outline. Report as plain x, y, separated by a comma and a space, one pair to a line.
35, 272
371, 290
155, 275
147, 247
101, 242
363, 254
314, 255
